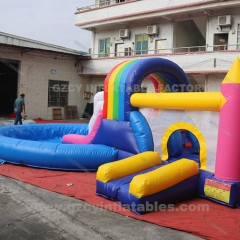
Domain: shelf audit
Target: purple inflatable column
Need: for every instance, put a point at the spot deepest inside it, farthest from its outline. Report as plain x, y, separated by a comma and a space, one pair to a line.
228, 148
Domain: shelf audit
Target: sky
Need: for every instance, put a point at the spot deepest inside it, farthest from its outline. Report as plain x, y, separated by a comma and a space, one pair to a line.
50, 21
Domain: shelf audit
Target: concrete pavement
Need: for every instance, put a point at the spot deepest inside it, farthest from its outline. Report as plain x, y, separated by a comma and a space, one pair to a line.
28, 212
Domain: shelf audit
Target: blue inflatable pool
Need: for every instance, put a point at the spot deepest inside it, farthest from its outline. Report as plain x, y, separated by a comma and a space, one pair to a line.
40, 145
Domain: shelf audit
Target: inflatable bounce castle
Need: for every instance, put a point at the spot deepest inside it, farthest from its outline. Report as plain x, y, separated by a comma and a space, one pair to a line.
195, 133
147, 148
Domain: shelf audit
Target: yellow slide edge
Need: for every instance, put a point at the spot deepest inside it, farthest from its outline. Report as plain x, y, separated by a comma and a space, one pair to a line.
162, 178
115, 170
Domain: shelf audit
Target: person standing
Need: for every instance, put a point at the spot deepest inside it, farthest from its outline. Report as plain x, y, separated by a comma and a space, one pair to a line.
19, 106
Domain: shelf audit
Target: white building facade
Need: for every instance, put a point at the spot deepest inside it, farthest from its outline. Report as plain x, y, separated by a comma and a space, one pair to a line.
202, 37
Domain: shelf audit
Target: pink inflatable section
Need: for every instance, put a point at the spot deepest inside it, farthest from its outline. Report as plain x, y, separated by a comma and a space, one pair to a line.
82, 139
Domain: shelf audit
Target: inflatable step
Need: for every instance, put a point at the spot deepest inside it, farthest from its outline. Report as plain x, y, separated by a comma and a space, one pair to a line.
111, 176
160, 201
163, 178
171, 183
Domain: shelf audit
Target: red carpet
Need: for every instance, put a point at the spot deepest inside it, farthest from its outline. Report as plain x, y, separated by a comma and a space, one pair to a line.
219, 222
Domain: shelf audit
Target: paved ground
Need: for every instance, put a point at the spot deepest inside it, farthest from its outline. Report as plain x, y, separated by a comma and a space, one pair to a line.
28, 212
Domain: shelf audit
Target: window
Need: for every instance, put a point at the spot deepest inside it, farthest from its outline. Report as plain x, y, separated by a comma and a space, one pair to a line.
127, 51
238, 37
100, 88
142, 44
57, 93
104, 47
104, 2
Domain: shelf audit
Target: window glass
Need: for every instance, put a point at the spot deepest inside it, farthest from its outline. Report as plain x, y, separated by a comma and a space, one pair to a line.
104, 47
107, 46
101, 48
238, 37
142, 44
57, 93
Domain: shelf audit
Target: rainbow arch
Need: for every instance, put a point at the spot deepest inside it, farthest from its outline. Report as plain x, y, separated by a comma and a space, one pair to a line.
126, 78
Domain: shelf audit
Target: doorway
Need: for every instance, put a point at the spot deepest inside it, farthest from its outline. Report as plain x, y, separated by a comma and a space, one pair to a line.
161, 46
119, 50
8, 85
183, 144
220, 41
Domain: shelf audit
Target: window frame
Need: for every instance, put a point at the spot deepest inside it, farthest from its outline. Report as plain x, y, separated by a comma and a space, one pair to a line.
142, 51
104, 2
105, 53
58, 89
238, 37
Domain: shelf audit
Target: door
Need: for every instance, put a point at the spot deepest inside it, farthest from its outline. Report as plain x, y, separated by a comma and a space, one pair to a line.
119, 50
220, 41
9, 71
161, 46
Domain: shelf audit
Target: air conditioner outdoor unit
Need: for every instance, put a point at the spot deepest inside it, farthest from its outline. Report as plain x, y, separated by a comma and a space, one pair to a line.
124, 33
225, 20
152, 30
